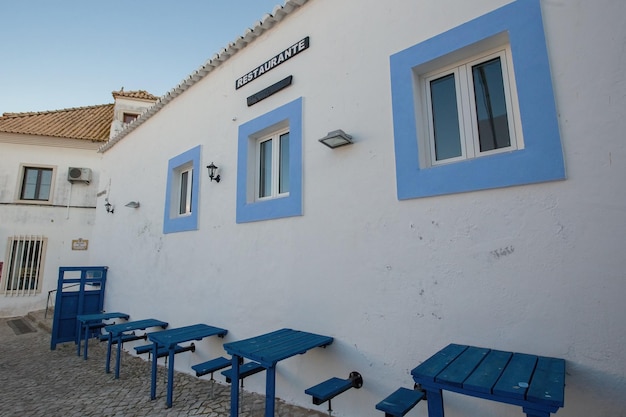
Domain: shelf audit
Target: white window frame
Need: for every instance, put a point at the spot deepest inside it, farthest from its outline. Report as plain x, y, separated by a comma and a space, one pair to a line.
275, 138
466, 106
187, 193
22, 177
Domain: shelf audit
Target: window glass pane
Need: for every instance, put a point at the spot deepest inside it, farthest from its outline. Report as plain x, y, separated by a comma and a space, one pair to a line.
493, 125
29, 186
184, 205
265, 169
283, 169
445, 118
46, 182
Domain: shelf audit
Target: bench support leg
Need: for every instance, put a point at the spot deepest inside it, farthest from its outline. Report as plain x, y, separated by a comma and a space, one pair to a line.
234, 389
170, 378
270, 391
435, 403
107, 367
118, 359
154, 372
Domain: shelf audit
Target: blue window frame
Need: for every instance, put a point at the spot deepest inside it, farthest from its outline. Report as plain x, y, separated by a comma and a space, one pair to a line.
540, 159
182, 192
254, 202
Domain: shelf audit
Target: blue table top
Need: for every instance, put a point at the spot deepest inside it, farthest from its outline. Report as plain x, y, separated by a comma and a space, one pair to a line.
101, 316
171, 337
515, 378
116, 329
269, 348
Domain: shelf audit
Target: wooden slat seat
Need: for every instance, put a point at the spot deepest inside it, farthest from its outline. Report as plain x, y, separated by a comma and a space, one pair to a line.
211, 366
245, 371
400, 402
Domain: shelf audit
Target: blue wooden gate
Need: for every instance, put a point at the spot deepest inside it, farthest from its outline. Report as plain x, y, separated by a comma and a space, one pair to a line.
80, 290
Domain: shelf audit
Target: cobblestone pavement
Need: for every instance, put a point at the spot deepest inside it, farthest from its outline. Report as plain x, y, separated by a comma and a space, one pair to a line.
36, 381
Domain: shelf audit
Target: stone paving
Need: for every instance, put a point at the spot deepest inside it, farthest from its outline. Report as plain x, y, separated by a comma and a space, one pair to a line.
36, 381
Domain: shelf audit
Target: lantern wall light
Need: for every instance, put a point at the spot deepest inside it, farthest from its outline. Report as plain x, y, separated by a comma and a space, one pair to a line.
212, 170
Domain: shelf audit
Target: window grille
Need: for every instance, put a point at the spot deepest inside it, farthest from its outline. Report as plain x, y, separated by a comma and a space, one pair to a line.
24, 265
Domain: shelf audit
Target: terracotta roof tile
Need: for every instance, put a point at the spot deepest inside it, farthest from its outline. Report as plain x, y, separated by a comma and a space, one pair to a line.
139, 94
88, 123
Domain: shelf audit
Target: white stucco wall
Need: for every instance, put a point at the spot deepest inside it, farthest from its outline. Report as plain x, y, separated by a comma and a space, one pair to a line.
534, 269
57, 222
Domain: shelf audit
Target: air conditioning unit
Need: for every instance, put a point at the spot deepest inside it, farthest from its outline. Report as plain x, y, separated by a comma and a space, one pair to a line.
79, 175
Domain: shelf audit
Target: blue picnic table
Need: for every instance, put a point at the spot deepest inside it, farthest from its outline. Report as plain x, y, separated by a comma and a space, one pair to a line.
169, 340
87, 323
267, 350
118, 333
536, 383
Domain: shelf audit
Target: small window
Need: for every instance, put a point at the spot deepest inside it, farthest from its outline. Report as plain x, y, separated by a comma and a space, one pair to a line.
25, 256
36, 184
470, 111
269, 165
181, 195
129, 117
273, 166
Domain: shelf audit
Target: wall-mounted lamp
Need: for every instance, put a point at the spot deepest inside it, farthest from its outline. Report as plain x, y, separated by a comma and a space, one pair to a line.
212, 169
336, 138
133, 204
108, 206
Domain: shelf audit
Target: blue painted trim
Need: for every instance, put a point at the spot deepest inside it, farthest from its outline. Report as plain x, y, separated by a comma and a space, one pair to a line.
190, 222
291, 205
542, 157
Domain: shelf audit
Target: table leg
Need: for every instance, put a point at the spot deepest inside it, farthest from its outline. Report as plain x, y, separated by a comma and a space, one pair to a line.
87, 331
118, 359
270, 390
536, 413
234, 388
107, 366
435, 403
170, 377
79, 337
154, 372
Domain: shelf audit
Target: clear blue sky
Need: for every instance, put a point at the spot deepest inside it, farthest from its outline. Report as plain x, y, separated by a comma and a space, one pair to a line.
57, 54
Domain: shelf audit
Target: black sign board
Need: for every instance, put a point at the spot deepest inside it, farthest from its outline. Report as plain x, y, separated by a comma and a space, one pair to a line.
272, 63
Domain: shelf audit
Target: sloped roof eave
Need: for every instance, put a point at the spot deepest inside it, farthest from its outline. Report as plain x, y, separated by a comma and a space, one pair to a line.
266, 23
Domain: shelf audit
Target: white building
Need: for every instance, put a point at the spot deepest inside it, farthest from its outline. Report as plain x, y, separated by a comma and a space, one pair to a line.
431, 228
49, 174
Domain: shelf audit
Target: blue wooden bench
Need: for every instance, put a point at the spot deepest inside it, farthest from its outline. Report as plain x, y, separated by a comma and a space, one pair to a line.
169, 340
245, 371
329, 389
269, 349
535, 383
400, 402
211, 366
163, 351
125, 338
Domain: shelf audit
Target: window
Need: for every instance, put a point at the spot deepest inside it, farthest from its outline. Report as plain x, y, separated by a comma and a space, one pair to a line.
24, 265
470, 110
273, 166
36, 184
181, 196
185, 182
473, 108
269, 165
129, 117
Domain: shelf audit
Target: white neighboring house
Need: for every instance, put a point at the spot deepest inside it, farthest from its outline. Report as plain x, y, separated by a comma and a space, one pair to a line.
49, 174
